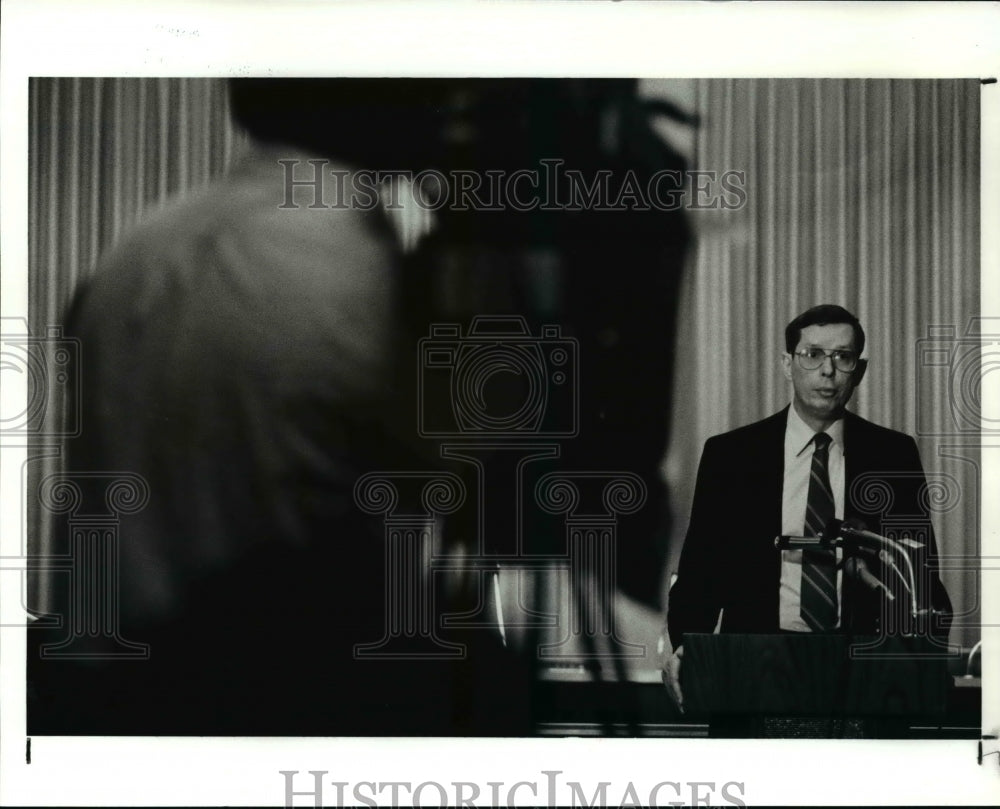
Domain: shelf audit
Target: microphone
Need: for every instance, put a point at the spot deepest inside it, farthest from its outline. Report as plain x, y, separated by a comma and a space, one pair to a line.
788, 542
858, 569
828, 539
855, 531
793, 543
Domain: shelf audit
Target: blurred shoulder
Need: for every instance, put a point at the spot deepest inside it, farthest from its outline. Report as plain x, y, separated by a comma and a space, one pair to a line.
244, 243
264, 201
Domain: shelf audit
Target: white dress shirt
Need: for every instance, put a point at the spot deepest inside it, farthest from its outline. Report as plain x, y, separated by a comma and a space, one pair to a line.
799, 449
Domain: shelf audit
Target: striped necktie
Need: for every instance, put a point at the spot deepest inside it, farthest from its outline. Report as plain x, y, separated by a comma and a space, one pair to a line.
819, 571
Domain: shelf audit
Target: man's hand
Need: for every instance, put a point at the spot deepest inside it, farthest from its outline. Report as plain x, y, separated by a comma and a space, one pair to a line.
671, 676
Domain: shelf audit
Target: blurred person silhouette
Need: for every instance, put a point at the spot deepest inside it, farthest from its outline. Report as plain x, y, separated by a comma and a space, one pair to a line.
252, 360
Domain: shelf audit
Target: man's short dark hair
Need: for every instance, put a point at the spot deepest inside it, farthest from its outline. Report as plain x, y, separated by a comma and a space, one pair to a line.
373, 122
420, 123
823, 315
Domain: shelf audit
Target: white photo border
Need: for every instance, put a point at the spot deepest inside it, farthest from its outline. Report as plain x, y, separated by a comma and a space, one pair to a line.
886, 40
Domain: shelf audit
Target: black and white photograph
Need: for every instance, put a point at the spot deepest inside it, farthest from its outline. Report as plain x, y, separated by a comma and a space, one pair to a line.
439, 433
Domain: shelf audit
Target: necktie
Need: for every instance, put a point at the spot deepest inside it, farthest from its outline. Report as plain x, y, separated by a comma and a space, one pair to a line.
819, 571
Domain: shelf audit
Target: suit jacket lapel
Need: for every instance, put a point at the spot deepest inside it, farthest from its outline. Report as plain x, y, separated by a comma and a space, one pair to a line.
772, 470
772, 476
856, 460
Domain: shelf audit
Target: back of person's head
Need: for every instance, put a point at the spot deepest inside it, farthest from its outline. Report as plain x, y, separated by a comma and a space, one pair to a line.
416, 123
823, 315
406, 123
389, 122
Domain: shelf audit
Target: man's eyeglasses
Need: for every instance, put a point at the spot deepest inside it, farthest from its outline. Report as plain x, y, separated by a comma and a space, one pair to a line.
812, 358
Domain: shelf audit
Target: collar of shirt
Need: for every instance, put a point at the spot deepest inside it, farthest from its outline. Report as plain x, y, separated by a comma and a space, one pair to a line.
798, 434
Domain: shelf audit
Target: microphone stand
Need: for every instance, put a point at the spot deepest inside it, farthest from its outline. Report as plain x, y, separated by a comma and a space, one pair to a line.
855, 541
851, 535
861, 536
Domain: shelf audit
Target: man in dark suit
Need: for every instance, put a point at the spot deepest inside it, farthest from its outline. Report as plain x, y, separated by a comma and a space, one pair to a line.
791, 474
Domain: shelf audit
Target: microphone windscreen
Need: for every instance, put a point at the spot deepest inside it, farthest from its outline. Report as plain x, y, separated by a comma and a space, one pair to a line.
833, 529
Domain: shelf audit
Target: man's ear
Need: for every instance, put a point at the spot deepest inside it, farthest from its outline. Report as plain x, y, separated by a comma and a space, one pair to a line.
786, 365
859, 372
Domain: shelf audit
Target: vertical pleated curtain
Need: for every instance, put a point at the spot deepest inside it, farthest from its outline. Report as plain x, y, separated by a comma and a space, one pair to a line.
859, 192
103, 153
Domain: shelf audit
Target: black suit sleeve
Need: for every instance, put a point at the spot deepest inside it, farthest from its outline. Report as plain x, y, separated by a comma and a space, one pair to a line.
695, 598
896, 482
930, 590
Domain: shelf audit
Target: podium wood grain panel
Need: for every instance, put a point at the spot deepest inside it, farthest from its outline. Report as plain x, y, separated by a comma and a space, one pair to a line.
811, 675
898, 677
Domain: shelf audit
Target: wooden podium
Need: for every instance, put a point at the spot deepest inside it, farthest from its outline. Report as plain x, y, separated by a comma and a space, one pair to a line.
814, 676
